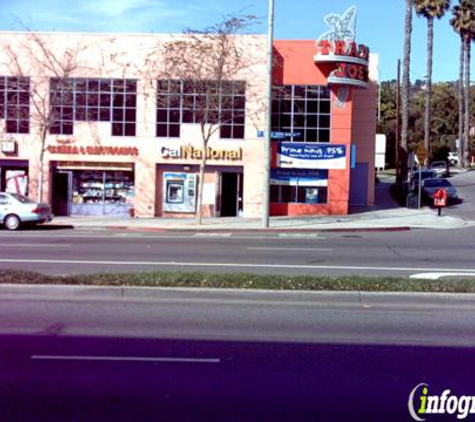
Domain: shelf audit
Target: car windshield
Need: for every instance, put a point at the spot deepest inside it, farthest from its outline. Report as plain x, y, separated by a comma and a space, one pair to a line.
22, 199
437, 183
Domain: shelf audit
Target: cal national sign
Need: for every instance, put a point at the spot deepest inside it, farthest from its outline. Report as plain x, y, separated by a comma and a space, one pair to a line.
311, 156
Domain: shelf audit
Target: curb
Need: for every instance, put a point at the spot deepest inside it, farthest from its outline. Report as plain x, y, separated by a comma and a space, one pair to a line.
242, 229
364, 298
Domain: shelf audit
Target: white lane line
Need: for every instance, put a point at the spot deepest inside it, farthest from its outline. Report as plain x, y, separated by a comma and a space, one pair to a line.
230, 264
212, 234
133, 236
300, 235
126, 359
436, 276
33, 245
290, 249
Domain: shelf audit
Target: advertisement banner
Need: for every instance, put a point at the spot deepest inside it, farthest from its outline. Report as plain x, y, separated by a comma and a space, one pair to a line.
311, 156
298, 177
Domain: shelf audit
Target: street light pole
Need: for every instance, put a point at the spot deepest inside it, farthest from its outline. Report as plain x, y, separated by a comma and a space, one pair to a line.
267, 136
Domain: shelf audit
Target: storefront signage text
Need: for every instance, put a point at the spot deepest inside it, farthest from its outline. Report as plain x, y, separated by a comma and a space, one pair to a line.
190, 152
311, 156
92, 150
350, 59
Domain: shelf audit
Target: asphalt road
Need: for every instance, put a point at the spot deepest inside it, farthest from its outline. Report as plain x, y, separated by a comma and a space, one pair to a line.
224, 356
368, 253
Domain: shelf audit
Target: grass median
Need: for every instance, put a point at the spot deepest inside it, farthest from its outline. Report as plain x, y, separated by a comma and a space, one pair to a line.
247, 281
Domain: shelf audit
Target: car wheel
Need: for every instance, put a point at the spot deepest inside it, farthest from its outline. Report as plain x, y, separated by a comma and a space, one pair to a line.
12, 222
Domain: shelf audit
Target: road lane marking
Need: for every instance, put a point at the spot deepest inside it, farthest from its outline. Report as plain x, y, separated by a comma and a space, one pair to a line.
300, 235
126, 359
33, 245
251, 248
212, 234
133, 236
230, 264
436, 276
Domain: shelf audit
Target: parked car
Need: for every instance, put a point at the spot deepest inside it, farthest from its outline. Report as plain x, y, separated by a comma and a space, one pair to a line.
441, 168
16, 210
425, 174
453, 158
430, 186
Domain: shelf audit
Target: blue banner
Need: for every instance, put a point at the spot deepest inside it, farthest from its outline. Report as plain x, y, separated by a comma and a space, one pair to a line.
311, 156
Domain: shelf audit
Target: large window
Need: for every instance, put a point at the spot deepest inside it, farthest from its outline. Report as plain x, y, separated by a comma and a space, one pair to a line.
181, 102
94, 100
15, 103
301, 113
299, 194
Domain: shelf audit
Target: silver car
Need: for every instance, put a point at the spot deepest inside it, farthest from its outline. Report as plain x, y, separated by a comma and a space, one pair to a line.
18, 209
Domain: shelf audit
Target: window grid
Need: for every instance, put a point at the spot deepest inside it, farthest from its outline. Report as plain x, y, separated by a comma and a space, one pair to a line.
15, 103
181, 102
93, 100
301, 113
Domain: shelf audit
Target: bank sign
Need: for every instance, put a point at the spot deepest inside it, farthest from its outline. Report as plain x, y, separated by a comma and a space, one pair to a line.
311, 156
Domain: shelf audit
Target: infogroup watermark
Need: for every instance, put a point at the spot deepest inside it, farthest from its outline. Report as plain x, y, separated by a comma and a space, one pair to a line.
422, 404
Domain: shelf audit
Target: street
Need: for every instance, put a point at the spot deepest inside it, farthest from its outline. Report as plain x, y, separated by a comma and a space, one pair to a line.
214, 356
400, 253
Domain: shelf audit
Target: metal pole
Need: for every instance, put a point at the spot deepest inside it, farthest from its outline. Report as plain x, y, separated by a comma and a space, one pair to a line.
267, 136
419, 193
398, 97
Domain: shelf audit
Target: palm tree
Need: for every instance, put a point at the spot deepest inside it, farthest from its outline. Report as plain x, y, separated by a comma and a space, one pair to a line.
463, 22
430, 9
405, 88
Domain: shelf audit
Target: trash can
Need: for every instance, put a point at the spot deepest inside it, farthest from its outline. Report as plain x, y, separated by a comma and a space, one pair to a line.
411, 201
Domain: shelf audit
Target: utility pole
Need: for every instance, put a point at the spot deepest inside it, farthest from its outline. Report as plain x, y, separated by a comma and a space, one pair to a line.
267, 136
398, 129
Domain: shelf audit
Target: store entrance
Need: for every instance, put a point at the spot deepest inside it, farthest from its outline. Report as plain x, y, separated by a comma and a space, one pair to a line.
231, 194
61, 200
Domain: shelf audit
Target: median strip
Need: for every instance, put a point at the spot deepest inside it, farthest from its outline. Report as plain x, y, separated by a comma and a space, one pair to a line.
248, 281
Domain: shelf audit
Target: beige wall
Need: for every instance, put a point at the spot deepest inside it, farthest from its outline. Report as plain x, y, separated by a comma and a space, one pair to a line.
136, 57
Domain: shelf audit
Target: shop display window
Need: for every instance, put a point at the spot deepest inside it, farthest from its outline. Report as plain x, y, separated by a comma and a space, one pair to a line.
298, 194
103, 187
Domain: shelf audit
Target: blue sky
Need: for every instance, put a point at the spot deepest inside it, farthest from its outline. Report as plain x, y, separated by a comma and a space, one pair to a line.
380, 23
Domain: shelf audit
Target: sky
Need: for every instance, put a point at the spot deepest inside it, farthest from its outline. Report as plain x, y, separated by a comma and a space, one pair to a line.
380, 24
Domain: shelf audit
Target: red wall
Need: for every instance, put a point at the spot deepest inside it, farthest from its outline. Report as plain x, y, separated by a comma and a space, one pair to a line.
294, 65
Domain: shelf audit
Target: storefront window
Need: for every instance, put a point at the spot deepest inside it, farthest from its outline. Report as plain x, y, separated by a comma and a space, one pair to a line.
103, 187
299, 194
301, 113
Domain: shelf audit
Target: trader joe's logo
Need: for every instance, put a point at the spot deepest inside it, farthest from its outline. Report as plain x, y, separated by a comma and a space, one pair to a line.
338, 47
422, 404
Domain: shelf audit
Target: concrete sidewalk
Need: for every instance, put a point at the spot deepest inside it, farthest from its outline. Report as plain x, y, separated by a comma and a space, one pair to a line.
385, 215
381, 219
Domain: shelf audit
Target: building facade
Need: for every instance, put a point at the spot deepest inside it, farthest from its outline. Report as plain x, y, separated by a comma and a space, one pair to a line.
90, 124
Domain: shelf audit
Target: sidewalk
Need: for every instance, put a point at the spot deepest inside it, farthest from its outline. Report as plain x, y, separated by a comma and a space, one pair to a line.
395, 219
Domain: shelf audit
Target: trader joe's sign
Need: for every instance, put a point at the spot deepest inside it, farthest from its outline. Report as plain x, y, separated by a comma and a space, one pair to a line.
349, 60
311, 156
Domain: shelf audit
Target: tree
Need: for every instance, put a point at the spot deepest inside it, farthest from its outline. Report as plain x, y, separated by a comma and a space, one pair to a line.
36, 54
201, 70
463, 22
430, 9
406, 80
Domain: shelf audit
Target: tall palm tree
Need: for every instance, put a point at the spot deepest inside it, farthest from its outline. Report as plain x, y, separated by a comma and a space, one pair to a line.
430, 9
405, 88
463, 22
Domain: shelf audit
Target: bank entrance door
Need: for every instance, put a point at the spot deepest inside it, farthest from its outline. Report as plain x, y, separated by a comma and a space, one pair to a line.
61, 200
231, 187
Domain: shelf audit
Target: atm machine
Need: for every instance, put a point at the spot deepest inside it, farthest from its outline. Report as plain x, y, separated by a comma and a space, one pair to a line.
179, 192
